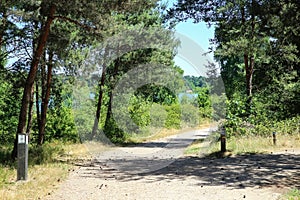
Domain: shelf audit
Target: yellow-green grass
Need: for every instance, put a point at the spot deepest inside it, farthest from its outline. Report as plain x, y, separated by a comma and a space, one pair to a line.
293, 194
246, 144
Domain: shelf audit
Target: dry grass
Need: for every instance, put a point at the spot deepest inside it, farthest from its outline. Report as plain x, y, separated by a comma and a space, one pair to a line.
44, 178
166, 133
83, 151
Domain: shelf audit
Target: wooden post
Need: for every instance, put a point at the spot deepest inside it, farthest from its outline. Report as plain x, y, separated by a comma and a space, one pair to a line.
223, 140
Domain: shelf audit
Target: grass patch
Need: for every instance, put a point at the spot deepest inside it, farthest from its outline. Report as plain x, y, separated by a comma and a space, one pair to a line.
245, 144
195, 147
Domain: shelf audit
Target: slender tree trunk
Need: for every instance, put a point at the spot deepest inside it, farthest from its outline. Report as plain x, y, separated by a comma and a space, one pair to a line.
100, 97
110, 94
109, 110
45, 99
30, 112
37, 104
250, 67
249, 64
31, 77
43, 89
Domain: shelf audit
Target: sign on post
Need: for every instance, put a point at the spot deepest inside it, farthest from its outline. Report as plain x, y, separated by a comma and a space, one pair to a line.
22, 170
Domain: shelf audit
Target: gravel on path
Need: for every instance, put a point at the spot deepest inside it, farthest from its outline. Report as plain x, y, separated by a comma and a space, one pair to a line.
159, 170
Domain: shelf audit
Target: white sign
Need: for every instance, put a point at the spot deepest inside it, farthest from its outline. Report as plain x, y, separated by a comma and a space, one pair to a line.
22, 139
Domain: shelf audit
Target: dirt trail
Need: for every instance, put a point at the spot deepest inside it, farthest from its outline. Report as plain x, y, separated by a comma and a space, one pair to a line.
158, 170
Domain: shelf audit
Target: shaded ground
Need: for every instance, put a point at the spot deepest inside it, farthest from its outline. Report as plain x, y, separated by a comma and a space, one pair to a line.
119, 175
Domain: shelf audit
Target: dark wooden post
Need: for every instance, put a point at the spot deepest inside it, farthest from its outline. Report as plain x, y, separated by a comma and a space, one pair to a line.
223, 140
22, 170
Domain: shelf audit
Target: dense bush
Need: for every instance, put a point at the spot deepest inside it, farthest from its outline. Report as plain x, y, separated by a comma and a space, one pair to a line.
261, 121
60, 125
173, 119
114, 133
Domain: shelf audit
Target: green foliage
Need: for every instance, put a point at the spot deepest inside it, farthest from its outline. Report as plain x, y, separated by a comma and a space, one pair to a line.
158, 116
83, 106
139, 111
190, 116
5, 157
9, 108
263, 34
218, 107
114, 133
237, 126
194, 82
157, 94
204, 102
173, 119
60, 125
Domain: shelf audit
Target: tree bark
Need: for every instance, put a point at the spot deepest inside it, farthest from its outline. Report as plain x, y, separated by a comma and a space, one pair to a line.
37, 104
249, 64
30, 112
109, 108
250, 67
100, 98
43, 86
31, 77
45, 99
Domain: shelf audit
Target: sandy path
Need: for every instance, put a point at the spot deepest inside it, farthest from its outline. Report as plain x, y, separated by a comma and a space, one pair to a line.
158, 170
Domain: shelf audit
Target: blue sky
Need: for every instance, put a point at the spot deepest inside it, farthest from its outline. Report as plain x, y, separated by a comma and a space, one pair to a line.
198, 33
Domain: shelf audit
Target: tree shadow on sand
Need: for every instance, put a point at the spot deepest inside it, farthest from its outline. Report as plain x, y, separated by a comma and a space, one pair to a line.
240, 171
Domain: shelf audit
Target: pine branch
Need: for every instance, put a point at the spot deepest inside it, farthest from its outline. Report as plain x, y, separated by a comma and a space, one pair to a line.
89, 28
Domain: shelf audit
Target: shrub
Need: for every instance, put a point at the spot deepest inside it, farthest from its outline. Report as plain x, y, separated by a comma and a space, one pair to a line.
173, 116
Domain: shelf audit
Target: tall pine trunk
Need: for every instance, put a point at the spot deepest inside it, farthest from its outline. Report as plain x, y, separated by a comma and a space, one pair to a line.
37, 104
109, 110
249, 64
110, 94
30, 113
45, 98
44, 33
100, 97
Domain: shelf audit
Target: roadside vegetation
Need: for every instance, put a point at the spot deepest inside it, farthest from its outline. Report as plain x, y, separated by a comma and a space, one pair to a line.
247, 144
54, 87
